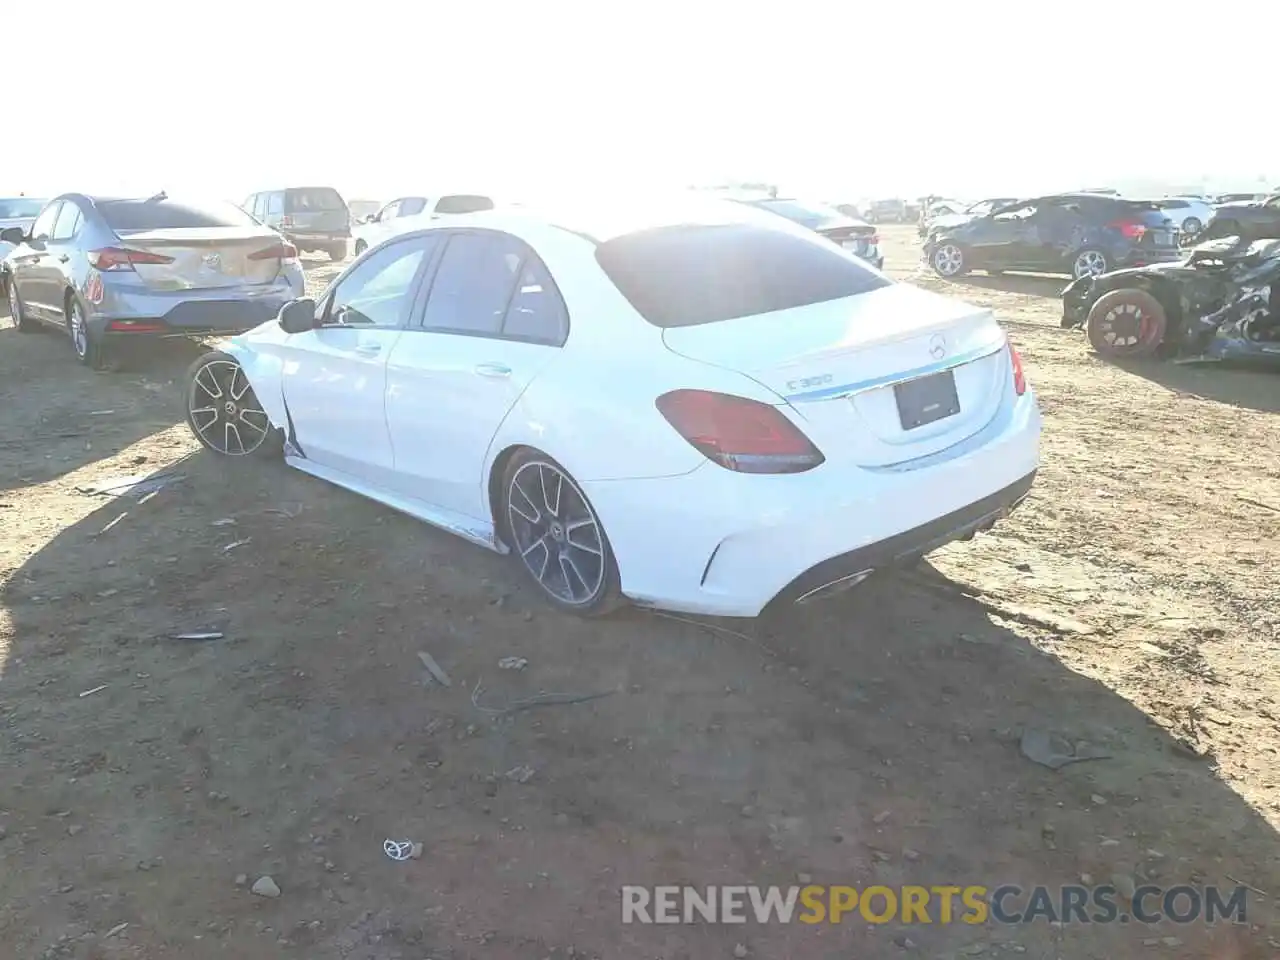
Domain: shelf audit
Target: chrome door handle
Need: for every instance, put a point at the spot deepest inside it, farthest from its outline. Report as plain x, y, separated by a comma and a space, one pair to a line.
493, 370
369, 349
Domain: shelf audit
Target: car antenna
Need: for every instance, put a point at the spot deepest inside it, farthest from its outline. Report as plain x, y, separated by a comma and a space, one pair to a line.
159, 196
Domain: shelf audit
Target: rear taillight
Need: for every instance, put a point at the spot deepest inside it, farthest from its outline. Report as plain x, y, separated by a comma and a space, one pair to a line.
737, 433
279, 251
874, 240
1019, 378
1129, 228
114, 259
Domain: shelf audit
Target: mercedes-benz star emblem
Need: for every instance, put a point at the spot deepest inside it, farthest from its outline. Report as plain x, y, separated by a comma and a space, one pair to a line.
937, 346
212, 261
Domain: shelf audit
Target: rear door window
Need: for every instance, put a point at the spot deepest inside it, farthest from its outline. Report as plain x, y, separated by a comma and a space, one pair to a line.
68, 222
536, 313
474, 284
136, 215
681, 276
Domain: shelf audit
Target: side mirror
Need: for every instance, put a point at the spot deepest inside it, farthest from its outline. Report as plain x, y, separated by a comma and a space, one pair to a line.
298, 316
14, 235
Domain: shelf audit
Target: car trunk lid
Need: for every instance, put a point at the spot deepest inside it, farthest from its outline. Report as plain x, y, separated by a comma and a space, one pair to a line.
199, 258
879, 379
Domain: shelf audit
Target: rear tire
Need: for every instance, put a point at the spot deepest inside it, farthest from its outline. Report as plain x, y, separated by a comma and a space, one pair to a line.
361, 247
21, 321
89, 349
1089, 263
224, 413
557, 538
337, 251
1126, 324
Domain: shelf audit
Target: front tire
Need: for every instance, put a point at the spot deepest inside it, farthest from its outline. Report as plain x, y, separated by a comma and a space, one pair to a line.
1089, 263
361, 247
1126, 324
949, 260
224, 413
337, 251
557, 537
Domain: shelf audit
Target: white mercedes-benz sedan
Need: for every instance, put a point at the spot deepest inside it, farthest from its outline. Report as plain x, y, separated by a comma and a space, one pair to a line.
687, 404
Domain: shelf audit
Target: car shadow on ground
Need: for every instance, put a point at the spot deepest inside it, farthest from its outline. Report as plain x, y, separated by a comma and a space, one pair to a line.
1250, 387
871, 739
58, 415
1029, 284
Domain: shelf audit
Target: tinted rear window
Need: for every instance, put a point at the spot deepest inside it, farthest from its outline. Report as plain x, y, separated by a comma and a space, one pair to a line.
683, 276
463, 203
170, 215
313, 198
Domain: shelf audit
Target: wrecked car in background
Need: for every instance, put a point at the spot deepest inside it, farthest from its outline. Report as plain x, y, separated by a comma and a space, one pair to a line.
1221, 303
1248, 220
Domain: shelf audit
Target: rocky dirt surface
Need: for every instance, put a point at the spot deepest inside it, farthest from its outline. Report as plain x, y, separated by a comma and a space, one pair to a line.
147, 783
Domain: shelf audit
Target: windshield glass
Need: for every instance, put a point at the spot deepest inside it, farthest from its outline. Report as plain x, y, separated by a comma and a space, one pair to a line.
126, 215
20, 208
800, 211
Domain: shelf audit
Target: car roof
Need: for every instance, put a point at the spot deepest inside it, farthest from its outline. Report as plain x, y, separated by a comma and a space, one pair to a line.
601, 221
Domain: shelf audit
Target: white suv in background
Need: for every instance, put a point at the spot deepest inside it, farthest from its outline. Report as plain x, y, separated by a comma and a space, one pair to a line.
373, 230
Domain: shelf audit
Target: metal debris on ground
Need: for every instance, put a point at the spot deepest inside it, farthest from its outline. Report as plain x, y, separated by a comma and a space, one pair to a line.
111, 524
398, 849
101, 413
433, 668
512, 663
521, 774
224, 522
1055, 752
97, 689
538, 700
207, 635
239, 543
285, 512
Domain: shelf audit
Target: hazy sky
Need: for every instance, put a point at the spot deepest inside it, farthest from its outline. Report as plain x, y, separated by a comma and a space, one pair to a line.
845, 99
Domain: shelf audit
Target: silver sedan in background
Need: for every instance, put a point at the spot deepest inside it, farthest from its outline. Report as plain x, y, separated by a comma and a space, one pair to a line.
112, 270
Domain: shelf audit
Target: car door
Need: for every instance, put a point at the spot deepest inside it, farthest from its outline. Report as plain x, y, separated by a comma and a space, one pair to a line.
1055, 233
493, 320
32, 268
1003, 238
335, 376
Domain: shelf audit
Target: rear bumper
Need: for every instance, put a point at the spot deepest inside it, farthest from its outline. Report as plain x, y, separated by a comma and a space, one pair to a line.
726, 544
317, 238
187, 313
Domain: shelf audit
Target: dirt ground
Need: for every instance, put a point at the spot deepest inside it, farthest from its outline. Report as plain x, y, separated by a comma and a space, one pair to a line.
875, 738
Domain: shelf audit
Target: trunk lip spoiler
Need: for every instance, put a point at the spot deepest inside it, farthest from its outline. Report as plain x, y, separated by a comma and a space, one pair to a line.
888, 380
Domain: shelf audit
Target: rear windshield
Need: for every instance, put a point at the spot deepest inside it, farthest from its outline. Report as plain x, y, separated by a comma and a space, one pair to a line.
20, 208
799, 211
682, 276
124, 215
302, 199
463, 203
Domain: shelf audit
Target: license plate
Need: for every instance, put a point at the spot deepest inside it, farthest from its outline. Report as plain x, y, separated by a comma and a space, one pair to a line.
1162, 238
927, 399
857, 246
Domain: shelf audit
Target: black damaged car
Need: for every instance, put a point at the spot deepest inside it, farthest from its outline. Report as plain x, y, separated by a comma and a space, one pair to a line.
1221, 303
1250, 220
1079, 234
